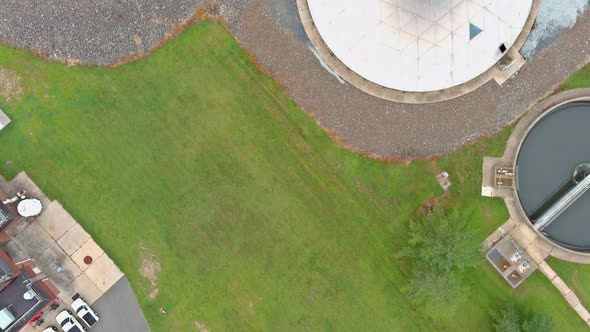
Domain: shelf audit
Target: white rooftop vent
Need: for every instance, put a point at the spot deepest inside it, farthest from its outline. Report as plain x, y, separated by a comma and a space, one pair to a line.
29, 295
29, 207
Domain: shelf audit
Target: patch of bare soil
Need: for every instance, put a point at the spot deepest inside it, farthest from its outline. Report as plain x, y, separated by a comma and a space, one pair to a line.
10, 87
152, 295
428, 205
201, 327
251, 308
149, 269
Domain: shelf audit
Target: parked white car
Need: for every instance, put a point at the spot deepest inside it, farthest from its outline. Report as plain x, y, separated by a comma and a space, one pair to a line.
68, 323
50, 329
84, 311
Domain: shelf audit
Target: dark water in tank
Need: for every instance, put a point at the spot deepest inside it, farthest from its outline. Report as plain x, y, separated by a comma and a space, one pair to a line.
550, 153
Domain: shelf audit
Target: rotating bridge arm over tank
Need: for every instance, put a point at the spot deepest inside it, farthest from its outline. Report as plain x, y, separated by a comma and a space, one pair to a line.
562, 204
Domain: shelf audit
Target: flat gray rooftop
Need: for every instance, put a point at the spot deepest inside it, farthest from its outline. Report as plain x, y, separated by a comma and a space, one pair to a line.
500, 258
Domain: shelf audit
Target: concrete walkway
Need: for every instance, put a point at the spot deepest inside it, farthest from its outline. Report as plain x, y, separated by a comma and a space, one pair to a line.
569, 295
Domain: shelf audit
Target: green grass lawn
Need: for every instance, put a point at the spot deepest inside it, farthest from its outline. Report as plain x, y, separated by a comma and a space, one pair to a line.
258, 220
579, 79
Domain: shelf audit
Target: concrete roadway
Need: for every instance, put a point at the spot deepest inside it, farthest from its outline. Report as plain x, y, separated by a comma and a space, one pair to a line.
119, 311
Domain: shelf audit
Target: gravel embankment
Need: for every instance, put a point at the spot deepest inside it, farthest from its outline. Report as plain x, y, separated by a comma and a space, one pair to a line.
92, 32
103, 32
387, 129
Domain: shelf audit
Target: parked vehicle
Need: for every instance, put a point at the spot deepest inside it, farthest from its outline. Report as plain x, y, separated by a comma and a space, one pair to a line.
84, 311
50, 329
68, 323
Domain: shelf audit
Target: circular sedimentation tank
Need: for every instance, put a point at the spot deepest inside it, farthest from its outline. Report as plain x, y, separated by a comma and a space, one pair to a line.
554, 157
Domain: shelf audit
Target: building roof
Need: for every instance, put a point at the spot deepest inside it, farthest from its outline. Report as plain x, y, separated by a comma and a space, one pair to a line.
6, 216
12, 297
421, 45
8, 269
16, 281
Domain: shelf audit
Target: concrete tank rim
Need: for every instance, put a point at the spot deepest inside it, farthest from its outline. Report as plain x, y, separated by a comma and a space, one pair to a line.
519, 135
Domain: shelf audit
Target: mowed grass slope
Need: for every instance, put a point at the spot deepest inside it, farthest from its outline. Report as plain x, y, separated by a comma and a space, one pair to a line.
194, 159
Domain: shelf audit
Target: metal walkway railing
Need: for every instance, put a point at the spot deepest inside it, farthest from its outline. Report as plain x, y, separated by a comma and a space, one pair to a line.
562, 204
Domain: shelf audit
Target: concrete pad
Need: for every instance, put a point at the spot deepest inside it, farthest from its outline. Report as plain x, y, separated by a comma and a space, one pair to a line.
104, 273
73, 239
90, 248
543, 244
56, 220
547, 270
496, 236
508, 225
520, 238
537, 255
486, 245
86, 288
53, 258
528, 233
31, 238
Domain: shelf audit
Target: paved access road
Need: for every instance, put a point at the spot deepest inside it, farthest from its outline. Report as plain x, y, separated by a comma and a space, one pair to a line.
119, 311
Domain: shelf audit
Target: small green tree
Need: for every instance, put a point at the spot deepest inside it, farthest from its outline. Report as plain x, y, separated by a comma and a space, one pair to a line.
507, 320
440, 246
442, 242
538, 323
437, 295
